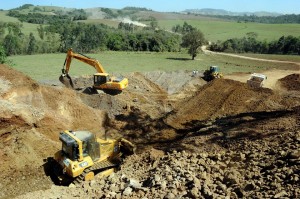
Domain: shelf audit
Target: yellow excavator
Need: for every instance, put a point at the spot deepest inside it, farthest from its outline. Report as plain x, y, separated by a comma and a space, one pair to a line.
83, 156
102, 80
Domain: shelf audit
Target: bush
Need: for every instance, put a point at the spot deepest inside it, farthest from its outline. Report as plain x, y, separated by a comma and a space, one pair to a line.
3, 57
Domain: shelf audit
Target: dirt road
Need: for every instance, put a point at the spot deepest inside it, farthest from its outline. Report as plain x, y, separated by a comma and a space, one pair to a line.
245, 57
272, 75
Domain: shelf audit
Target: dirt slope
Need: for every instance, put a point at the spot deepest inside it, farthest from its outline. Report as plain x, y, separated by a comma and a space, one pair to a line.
195, 139
224, 97
290, 82
31, 118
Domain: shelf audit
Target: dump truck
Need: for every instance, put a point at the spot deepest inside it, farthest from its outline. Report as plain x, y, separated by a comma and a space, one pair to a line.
83, 156
102, 80
212, 73
256, 80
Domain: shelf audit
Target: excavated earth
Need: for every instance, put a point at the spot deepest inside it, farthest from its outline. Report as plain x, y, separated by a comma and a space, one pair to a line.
195, 139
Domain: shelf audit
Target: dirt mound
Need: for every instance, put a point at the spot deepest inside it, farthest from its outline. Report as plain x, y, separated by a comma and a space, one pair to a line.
175, 81
222, 98
153, 92
291, 82
215, 140
259, 168
31, 118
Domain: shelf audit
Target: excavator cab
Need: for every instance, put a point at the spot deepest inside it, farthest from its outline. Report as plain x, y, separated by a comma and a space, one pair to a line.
101, 78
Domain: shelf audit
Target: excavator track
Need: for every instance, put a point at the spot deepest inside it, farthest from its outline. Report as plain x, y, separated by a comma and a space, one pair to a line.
100, 166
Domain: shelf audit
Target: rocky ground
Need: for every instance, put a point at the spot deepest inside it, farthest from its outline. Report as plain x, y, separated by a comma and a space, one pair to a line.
195, 139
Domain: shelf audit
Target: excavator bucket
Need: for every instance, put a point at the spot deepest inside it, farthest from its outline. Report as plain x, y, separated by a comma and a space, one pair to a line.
66, 80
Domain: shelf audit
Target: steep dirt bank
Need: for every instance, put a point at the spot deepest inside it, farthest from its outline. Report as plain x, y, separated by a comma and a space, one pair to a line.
31, 118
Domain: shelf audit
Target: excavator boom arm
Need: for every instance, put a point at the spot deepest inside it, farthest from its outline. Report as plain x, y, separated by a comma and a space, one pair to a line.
92, 62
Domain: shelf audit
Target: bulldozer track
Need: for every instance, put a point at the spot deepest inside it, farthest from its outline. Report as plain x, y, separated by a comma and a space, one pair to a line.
100, 166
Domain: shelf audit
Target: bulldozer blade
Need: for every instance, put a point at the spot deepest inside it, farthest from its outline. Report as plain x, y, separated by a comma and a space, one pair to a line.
66, 80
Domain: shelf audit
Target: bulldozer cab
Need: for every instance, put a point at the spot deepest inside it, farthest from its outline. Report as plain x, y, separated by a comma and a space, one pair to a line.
214, 69
70, 146
101, 78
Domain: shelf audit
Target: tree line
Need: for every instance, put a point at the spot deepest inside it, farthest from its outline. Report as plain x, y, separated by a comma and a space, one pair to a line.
284, 45
127, 37
60, 35
82, 37
39, 18
282, 19
15, 42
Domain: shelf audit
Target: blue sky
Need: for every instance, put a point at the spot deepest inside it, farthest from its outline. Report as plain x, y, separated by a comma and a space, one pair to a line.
280, 6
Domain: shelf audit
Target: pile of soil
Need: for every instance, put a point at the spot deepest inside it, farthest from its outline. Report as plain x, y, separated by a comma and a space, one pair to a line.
263, 167
195, 139
223, 98
31, 118
291, 82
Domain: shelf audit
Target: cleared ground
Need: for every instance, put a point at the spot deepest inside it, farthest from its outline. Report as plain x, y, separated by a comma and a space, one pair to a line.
195, 139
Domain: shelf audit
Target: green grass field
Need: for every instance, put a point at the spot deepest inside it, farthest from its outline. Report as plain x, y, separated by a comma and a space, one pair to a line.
48, 66
221, 30
27, 28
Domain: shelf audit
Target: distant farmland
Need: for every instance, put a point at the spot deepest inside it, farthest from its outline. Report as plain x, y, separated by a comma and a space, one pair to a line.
213, 28
221, 30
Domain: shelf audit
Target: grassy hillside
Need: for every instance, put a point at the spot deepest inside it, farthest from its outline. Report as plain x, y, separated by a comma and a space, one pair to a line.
222, 30
214, 29
27, 28
48, 66
5, 18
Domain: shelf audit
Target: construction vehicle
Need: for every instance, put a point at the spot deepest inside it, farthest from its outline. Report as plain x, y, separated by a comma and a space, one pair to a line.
83, 156
102, 80
256, 80
212, 73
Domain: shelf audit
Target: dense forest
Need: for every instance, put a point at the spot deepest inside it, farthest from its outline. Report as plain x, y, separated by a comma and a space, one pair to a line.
59, 32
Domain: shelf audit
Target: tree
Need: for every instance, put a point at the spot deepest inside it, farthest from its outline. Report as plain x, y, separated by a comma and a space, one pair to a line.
185, 28
31, 45
41, 31
193, 40
153, 23
2, 29
12, 45
3, 57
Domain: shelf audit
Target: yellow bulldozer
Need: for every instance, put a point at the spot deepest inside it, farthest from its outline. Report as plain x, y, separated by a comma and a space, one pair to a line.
102, 80
83, 156
212, 73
